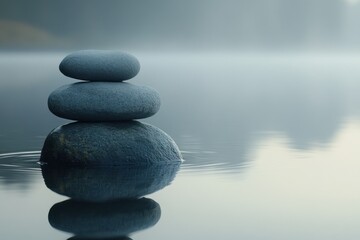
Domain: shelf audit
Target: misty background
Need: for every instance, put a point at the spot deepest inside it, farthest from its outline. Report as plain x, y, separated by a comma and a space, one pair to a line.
180, 25
217, 107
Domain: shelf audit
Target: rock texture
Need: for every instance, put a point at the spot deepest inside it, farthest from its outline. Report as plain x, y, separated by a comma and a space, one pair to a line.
109, 144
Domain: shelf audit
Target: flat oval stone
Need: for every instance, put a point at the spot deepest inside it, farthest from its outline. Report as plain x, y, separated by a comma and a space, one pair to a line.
100, 66
109, 144
104, 101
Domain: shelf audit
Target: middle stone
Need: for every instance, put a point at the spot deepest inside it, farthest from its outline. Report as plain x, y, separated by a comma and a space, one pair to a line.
104, 101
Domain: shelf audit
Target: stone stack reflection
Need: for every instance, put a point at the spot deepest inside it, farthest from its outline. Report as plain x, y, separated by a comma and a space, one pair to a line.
106, 203
106, 162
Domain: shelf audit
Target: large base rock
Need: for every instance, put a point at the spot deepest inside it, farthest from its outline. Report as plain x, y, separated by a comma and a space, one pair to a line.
109, 144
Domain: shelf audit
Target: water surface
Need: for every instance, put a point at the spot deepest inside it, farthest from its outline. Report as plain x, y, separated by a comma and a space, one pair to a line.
270, 144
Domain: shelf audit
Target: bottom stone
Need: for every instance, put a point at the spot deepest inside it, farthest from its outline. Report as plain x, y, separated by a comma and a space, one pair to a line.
109, 144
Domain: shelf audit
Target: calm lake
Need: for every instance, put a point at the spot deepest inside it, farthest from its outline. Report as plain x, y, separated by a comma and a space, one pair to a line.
270, 143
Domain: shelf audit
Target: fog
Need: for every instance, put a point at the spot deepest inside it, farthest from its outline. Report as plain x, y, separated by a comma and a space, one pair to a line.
186, 25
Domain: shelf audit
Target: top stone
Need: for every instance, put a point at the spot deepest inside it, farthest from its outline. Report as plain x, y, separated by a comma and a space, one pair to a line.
100, 66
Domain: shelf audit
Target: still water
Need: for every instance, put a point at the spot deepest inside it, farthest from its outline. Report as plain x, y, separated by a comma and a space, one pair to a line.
270, 143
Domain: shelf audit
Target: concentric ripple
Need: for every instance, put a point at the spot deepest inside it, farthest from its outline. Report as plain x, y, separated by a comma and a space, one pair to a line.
206, 162
19, 169
20, 161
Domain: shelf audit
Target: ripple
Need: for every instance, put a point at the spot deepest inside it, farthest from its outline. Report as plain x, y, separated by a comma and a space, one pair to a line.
19, 169
32, 153
20, 161
212, 160
212, 168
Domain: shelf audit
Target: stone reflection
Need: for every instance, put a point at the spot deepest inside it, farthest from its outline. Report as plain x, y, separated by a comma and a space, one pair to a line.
93, 238
108, 183
106, 202
106, 219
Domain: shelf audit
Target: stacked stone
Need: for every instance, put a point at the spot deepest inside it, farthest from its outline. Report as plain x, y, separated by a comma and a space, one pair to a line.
105, 97
104, 106
106, 202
